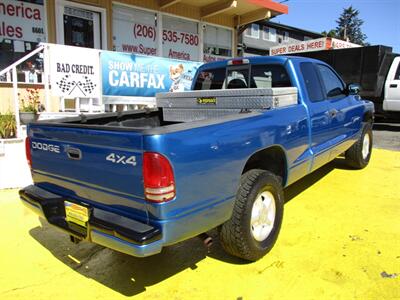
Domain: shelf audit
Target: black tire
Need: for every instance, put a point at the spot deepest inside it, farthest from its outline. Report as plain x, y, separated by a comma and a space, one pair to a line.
235, 234
354, 155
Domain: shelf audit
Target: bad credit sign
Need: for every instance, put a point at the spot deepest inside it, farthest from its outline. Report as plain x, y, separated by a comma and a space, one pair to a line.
75, 71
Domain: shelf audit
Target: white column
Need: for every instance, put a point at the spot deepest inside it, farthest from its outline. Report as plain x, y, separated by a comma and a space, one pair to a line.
8, 77
159, 34
62, 104
77, 105
201, 25
45, 78
16, 100
90, 105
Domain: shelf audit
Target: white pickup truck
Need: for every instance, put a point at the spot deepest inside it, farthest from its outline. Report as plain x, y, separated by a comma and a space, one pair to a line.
391, 99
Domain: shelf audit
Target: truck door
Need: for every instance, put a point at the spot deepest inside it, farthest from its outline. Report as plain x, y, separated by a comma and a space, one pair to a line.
344, 110
320, 120
391, 101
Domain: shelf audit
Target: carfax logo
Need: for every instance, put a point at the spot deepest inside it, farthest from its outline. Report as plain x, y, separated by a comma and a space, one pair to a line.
207, 100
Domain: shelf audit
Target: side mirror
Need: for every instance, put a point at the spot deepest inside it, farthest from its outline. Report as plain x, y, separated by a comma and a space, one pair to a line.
353, 89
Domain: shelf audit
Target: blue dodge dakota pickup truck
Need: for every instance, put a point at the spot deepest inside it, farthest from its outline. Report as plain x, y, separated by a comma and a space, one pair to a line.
218, 156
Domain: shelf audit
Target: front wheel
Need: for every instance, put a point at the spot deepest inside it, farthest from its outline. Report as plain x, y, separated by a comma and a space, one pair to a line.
359, 154
256, 220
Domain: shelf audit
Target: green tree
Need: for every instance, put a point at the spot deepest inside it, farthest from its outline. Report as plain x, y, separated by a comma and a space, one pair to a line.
331, 33
349, 26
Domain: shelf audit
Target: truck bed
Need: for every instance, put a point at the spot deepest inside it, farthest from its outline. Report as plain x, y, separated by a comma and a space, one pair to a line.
175, 108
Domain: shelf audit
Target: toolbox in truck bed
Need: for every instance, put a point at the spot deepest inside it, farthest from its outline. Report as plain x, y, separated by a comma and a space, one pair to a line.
205, 104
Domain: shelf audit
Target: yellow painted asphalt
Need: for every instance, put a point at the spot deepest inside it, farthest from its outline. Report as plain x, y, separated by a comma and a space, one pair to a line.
340, 239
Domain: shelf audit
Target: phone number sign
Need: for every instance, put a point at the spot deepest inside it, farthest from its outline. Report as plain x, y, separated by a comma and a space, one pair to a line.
180, 45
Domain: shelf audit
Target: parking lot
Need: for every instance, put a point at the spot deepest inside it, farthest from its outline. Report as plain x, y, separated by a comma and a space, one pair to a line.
340, 240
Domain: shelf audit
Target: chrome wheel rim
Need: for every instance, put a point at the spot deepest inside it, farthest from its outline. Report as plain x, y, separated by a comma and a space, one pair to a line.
365, 147
263, 216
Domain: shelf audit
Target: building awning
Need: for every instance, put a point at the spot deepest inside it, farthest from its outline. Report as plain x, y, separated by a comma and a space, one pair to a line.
243, 11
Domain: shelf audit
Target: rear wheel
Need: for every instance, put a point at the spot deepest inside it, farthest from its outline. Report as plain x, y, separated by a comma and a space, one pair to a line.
257, 216
359, 154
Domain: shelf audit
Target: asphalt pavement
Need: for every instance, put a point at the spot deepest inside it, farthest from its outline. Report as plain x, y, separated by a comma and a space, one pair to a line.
387, 135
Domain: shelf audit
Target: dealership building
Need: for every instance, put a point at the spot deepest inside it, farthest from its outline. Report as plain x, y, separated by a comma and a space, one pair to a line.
203, 30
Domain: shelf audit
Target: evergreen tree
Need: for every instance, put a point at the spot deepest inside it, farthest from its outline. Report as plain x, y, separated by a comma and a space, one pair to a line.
331, 33
349, 26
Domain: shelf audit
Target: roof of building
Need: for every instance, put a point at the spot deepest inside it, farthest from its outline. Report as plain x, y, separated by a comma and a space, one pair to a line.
291, 28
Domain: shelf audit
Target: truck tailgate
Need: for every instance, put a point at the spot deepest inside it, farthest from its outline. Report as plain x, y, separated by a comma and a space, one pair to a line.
100, 167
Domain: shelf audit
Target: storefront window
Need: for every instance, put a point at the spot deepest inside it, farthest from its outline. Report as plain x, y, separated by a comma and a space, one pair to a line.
22, 28
180, 39
134, 30
217, 43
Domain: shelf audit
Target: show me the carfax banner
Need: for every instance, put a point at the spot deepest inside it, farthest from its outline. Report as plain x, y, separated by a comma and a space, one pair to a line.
131, 75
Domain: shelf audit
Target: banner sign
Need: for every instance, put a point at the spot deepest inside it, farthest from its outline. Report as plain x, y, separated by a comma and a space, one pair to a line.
324, 43
75, 71
22, 21
180, 45
306, 46
134, 75
339, 44
211, 57
140, 39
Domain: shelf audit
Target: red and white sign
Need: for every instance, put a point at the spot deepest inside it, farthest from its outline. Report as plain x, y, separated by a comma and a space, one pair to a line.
22, 21
140, 39
325, 43
339, 44
211, 57
180, 45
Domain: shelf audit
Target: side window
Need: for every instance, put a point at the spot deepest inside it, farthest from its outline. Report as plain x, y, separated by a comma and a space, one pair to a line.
397, 76
311, 81
333, 85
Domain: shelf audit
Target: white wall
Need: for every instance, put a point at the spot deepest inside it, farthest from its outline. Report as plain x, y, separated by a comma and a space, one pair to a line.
14, 170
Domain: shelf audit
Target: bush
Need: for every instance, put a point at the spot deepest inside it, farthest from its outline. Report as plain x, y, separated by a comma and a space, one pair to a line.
31, 101
8, 127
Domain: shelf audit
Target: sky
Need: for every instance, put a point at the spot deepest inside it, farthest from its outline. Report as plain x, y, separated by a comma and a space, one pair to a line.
381, 18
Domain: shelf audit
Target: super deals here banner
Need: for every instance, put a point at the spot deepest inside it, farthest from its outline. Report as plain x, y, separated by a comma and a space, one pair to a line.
143, 76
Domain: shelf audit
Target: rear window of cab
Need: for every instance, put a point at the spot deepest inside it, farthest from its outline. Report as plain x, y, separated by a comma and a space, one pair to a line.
243, 76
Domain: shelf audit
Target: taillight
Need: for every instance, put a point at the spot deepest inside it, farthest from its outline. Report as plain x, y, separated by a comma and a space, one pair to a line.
159, 182
28, 151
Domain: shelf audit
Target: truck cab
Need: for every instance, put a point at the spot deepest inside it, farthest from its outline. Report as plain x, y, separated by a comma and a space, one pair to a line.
391, 101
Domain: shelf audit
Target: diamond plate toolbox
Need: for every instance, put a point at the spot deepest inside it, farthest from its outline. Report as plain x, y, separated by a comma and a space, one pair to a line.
199, 105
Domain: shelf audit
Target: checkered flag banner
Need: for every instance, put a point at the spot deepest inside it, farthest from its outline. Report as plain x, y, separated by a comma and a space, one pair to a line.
87, 86
65, 84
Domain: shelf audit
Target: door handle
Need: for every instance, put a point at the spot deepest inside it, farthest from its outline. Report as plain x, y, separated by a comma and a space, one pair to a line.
74, 153
333, 112
393, 86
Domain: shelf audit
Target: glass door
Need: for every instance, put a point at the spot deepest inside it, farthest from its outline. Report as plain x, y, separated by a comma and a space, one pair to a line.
79, 27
